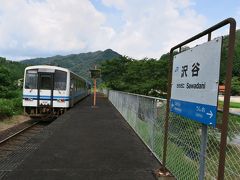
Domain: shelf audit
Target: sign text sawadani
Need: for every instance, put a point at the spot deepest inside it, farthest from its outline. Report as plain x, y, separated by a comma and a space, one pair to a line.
192, 86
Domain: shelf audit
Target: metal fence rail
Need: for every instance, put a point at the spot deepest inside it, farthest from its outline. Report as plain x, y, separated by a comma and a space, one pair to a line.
146, 115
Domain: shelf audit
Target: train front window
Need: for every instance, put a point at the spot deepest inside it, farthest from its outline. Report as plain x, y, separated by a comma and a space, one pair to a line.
46, 81
31, 79
60, 80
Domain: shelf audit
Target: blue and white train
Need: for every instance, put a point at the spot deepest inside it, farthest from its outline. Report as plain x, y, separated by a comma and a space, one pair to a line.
50, 90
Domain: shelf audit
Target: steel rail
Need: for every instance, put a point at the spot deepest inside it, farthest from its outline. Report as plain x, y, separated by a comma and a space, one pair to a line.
17, 133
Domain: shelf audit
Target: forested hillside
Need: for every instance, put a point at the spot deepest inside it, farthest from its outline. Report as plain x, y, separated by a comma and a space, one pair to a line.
149, 76
10, 93
78, 63
10, 72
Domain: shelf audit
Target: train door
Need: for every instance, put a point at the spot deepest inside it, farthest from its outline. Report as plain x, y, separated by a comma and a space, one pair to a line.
72, 91
45, 89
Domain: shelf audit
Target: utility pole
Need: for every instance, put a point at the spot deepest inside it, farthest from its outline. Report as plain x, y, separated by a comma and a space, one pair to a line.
95, 89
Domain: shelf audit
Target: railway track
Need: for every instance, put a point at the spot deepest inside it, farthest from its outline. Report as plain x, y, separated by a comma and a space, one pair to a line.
13, 138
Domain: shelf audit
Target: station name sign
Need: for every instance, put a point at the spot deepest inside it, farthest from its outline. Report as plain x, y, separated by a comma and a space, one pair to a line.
195, 81
95, 73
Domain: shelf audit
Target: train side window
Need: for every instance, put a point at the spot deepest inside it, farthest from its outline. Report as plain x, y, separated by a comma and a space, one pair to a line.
31, 79
60, 80
72, 84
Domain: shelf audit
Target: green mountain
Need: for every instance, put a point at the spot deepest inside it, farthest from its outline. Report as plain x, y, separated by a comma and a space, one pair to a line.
78, 63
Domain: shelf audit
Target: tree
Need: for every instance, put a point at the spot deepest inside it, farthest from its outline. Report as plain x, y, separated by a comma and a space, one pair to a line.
5, 82
236, 85
146, 76
112, 72
10, 72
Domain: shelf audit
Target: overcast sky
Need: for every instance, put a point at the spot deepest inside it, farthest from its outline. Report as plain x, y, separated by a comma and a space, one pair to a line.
136, 28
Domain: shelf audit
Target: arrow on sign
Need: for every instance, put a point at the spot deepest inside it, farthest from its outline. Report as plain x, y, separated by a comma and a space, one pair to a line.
210, 114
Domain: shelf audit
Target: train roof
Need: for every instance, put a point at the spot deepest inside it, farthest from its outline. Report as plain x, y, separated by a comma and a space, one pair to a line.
56, 68
47, 67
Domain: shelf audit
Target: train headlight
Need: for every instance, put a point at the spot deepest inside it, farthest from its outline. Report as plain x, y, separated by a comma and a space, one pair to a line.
28, 99
61, 100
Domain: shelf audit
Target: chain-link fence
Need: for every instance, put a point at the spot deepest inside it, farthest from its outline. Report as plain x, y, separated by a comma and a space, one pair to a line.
146, 115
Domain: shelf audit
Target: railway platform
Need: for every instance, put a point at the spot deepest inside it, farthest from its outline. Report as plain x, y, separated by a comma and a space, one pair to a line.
84, 143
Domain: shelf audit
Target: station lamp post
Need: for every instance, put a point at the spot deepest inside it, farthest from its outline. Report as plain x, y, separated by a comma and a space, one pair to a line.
95, 73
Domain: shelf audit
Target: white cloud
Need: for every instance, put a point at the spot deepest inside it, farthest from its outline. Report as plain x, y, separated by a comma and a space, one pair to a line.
152, 28
33, 28
36, 28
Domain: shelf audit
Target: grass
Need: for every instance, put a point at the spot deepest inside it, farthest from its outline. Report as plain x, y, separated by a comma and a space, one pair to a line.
232, 104
10, 107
